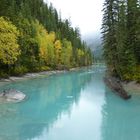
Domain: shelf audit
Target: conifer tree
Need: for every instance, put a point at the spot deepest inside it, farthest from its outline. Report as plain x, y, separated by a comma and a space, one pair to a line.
109, 33
121, 38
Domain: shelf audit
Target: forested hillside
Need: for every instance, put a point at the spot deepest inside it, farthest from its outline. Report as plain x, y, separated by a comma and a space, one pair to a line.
33, 37
121, 38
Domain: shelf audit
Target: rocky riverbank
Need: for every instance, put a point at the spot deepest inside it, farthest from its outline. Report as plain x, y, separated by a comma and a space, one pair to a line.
36, 75
13, 95
31, 75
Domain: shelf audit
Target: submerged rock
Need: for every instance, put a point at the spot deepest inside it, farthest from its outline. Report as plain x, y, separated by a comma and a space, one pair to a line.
12, 95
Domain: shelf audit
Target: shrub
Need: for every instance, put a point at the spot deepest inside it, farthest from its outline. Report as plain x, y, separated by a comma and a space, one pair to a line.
18, 71
3, 74
45, 68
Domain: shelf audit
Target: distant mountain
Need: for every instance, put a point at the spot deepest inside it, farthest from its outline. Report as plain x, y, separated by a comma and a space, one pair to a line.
94, 42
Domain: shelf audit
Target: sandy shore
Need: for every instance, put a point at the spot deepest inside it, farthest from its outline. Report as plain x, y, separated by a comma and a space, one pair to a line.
132, 87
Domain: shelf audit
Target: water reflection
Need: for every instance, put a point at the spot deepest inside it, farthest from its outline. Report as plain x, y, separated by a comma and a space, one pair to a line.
84, 121
52, 102
120, 118
70, 106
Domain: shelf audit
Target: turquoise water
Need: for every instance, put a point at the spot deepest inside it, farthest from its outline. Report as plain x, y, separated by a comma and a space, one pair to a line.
70, 106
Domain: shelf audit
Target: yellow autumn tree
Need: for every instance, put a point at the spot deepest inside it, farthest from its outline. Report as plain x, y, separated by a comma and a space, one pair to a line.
9, 48
66, 56
51, 37
46, 44
58, 49
40, 36
80, 56
50, 48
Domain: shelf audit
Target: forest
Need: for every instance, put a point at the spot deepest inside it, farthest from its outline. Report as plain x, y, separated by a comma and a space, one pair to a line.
121, 38
34, 37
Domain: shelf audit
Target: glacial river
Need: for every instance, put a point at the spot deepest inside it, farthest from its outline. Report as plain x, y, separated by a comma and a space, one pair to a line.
70, 106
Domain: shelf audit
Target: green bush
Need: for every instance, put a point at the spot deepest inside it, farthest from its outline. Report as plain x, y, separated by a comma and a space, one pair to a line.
18, 71
3, 75
137, 74
45, 68
134, 75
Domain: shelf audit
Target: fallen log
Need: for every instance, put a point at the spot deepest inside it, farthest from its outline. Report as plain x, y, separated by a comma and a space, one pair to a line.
115, 85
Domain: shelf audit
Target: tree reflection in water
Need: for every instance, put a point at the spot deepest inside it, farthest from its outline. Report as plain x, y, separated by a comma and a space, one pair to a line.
47, 99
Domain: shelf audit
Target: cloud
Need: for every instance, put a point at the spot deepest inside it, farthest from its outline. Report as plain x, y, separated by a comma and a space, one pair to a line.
85, 14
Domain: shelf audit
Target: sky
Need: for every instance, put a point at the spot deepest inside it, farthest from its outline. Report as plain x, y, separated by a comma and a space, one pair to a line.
85, 14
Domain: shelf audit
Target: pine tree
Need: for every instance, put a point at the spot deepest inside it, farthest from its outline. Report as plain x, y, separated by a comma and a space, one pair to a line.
131, 25
137, 48
41, 37
109, 33
121, 37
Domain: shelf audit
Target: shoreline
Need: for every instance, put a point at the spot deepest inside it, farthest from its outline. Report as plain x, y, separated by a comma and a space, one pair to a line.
33, 75
132, 87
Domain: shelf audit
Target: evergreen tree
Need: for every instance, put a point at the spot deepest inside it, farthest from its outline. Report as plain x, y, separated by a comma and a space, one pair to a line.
45, 40
109, 33
121, 38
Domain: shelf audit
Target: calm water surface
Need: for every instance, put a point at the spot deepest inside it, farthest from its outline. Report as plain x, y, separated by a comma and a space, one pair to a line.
70, 106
